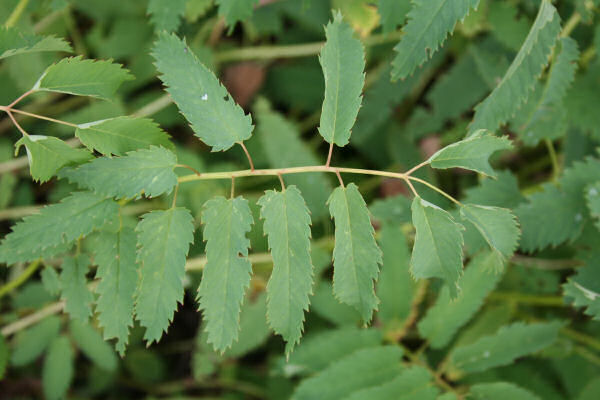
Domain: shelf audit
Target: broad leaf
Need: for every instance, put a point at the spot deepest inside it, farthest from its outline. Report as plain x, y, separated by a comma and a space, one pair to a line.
32, 342
164, 238
214, 116
343, 62
90, 342
235, 10
48, 154
57, 226
514, 88
429, 24
437, 252
471, 153
78, 298
497, 225
447, 316
415, 382
115, 255
287, 225
500, 391
227, 272
123, 134
13, 42
166, 14
83, 78
57, 372
356, 257
147, 171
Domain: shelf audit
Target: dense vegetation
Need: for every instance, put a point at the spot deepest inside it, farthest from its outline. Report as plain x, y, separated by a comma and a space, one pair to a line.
305, 199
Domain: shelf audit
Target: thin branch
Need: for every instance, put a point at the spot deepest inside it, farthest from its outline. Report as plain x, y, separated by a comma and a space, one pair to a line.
14, 121
282, 182
16, 14
175, 196
18, 99
337, 173
56, 121
416, 167
232, 186
247, 155
440, 191
188, 167
329, 155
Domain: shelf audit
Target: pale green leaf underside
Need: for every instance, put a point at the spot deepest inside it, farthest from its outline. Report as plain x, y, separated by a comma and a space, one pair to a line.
227, 272
115, 254
122, 134
343, 62
235, 10
47, 154
57, 225
471, 153
430, 22
356, 256
437, 252
500, 391
57, 372
73, 75
78, 298
213, 114
13, 42
498, 226
514, 88
164, 238
166, 14
287, 225
150, 171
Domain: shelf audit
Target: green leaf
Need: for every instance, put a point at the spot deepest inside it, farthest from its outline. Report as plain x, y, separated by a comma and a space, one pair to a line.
582, 289
471, 153
500, 391
115, 255
33, 341
235, 10
254, 330
166, 14
50, 280
360, 370
519, 79
90, 342
13, 42
213, 114
592, 199
150, 171
356, 257
446, 317
503, 191
287, 225
319, 350
164, 238
78, 298
57, 226
392, 13
57, 372
4, 356
343, 62
429, 23
73, 75
437, 252
121, 135
227, 272
504, 347
48, 154
413, 383
497, 225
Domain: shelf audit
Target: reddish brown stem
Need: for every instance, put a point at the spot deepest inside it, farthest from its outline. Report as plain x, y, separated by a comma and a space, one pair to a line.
247, 155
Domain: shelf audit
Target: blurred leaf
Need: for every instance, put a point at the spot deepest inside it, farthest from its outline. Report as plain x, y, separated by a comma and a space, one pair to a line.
90, 342
33, 341
78, 298
13, 42
57, 372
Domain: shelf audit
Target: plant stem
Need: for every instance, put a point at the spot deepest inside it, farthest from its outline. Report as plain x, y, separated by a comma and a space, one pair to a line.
534, 300
15, 283
16, 14
553, 159
328, 162
582, 338
9, 110
14, 121
571, 24
18, 99
247, 155
416, 167
440, 191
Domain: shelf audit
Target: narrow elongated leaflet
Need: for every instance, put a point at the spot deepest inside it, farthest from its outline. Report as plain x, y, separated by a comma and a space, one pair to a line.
437, 252
287, 224
57, 371
213, 114
164, 238
356, 256
227, 272
78, 298
343, 62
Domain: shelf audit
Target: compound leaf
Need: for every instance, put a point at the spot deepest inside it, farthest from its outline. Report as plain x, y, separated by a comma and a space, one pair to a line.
122, 134
227, 272
343, 62
287, 225
500, 391
73, 75
356, 256
57, 225
213, 114
13, 42
471, 153
90, 342
437, 252
164, 238
514, 88
48, 154
166, 14
235, 10
78, 298
32, 342
115, 255
498, 226
57, 372
429, 23
150, 171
